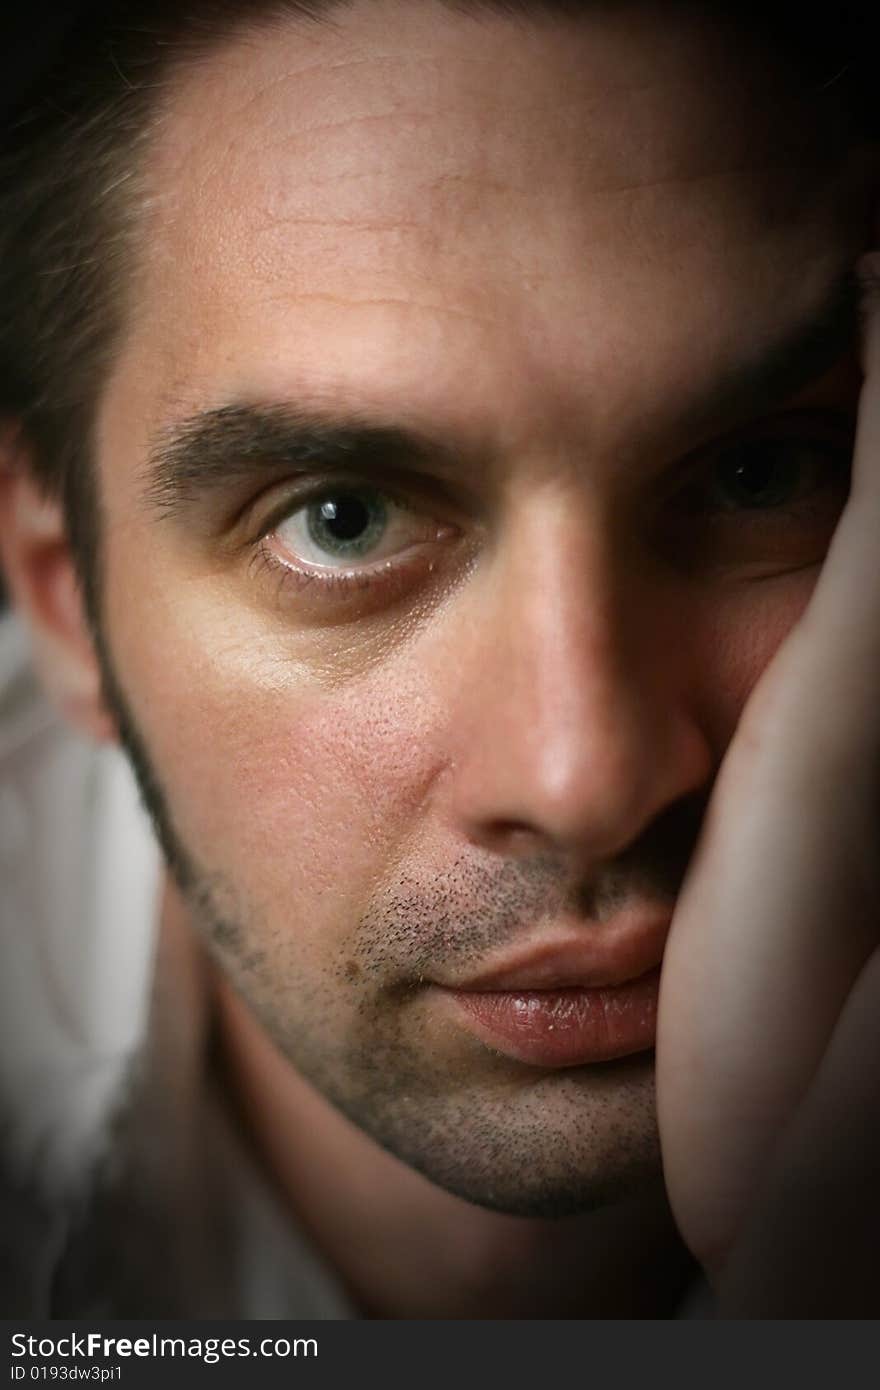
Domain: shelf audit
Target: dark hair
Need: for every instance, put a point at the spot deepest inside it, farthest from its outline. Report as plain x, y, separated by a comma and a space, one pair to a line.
72, 199
72, 196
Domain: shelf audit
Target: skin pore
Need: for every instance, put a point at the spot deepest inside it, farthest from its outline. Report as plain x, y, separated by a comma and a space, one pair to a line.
541, 247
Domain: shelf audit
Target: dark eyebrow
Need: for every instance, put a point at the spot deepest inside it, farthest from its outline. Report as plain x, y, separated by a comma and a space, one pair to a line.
775, 372
218, 448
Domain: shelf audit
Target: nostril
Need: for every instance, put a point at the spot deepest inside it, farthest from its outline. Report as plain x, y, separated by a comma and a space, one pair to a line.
515, 837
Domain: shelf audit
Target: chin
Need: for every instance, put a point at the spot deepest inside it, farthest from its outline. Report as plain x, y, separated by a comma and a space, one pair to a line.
547, 1200
562, 1144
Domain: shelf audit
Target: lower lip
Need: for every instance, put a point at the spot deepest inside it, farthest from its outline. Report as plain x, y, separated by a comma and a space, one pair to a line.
567, 1027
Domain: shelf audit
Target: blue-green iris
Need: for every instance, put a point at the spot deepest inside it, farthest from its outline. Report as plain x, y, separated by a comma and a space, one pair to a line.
348, 524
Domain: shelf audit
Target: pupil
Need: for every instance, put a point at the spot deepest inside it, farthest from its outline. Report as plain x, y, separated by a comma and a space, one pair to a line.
760, 477
345, 518
754, 476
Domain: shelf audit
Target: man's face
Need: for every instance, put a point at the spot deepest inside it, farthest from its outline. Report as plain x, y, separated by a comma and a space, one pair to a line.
435, 658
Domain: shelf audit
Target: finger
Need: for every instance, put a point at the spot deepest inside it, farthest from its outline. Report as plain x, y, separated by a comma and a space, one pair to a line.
837, 642
809, 1248
779, 911
775, 921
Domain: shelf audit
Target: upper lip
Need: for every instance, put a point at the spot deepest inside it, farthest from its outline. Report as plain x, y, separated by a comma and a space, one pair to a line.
610, 953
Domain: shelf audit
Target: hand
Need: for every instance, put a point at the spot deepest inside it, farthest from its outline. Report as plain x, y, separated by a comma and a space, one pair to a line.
768, 1050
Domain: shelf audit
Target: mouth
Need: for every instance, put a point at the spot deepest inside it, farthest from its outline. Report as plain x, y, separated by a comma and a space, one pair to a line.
566, 1027
569, 1003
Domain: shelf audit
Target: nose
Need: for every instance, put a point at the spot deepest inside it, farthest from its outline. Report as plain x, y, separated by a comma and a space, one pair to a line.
574, 730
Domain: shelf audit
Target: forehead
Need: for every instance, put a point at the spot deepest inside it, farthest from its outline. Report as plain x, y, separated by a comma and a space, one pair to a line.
412, 200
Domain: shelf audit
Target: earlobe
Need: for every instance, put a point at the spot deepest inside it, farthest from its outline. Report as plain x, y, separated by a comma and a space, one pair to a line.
39, 570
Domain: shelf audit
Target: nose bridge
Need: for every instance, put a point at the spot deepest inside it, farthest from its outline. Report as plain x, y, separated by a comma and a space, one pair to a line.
573, 728
569, 653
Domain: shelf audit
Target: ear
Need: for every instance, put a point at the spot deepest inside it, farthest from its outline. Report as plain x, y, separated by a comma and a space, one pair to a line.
38, 567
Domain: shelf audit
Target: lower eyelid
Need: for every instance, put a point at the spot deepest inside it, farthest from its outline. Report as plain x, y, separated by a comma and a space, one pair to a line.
384, 581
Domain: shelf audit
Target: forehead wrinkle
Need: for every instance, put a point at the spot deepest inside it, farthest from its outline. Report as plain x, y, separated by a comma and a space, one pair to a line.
276, 221
399, 64
422, 218
448, 203
321, 65
591, 181
493, 113
529, 34
513, 107
408, 304
236, 116
237, 226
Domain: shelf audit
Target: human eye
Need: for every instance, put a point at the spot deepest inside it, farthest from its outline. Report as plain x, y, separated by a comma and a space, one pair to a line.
768, 501
351, 545
766, 474
350, 527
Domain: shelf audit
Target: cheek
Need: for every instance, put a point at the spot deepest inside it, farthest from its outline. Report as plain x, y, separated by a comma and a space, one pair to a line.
299, 796
736, 636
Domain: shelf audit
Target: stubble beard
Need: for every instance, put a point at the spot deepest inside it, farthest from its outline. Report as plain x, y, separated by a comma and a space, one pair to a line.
516, 1140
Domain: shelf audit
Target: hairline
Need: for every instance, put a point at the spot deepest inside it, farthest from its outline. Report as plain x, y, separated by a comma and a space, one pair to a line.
122, 218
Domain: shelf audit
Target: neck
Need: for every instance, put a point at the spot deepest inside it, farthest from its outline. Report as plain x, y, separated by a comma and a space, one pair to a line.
404, 1248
